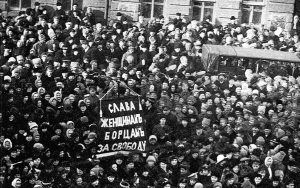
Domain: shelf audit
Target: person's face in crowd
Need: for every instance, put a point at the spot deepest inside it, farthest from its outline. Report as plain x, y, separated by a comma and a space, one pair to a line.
37, 161
29, 138
96, 183
57, 131
83, 108
53, 102
39, 83
43, 22
203, 110
148, 104
18, 183
209, 102
206, 122
257, 180
255, 130
255, 166
274, 118
130, 165
275, 183
119, 161
10, 33
114, 167
202, 97
178, 109
233, 99
297, 142
267, 131
184, 123
68, 25
214, 179
182, 185
279, 107
58, 94
226, 92
227, 107
3, 24
236, 169
36, 96
230, 181
39, 103
79, 181
75, 7
162, 121
261, 38
145, 173
6, 52
249, 103
163, 165
296, 38
218, 109
251, 120
79, 171
165, 86
270, 113
196, 94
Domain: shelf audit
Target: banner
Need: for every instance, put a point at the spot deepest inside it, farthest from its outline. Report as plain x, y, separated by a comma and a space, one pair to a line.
121, 126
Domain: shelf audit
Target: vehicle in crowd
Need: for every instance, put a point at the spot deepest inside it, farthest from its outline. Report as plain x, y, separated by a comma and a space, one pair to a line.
235, 60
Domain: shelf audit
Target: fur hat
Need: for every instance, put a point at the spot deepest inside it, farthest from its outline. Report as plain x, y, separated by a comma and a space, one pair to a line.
217, 185
215, 173
152, 137
84, 119
246, 171
38, 146
7, 140
14, 182
32, 125
229, 176
260, 141
280, 133
279, 156
93, 178
92, 135
244, 151
238, 141
220, 158
151, 158
252, 147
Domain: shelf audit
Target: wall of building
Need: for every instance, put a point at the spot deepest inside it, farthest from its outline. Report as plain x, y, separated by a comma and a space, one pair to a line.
3, 5
276, 12
225, 9
130, 8
174, 6
98, 6
280, 13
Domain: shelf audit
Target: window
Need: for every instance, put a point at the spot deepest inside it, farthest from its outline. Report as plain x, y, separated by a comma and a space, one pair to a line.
67, 4
19, 4
252, 11
152, 8
203, 10
254, 1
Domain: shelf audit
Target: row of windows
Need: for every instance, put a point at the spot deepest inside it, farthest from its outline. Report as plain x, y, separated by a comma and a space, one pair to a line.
252, 10
23, 4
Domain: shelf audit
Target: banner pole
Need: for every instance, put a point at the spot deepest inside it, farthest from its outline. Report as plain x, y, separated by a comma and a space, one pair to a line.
106, 93
132, 90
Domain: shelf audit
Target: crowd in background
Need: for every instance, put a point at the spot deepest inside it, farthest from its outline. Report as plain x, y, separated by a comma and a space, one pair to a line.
205, 129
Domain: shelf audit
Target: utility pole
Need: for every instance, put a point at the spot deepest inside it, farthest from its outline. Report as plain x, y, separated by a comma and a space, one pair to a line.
1, 97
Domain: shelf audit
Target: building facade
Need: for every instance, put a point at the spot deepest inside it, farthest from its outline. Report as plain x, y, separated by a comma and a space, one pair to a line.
266, 12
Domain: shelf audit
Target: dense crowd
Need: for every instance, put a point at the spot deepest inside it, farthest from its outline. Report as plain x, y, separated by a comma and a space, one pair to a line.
205, 129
